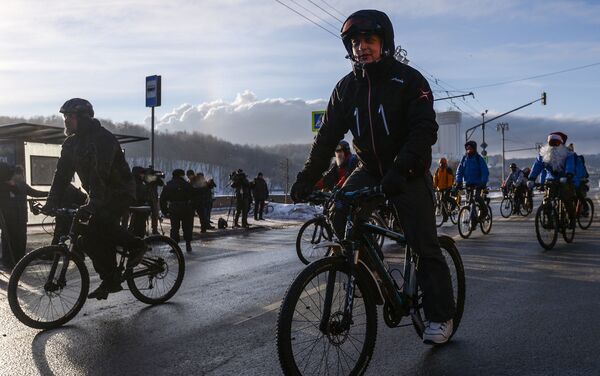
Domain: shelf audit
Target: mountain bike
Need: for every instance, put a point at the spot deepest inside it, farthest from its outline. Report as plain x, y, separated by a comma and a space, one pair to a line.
49, 286
316, 238
507, 203
268, 208
446, 207
552, 216
327, 322
471, 214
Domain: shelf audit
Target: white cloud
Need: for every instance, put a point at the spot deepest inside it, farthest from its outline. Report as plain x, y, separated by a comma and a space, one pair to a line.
247, 119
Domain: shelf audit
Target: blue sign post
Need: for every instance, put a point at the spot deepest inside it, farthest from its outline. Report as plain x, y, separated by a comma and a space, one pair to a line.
153, 97
317, 120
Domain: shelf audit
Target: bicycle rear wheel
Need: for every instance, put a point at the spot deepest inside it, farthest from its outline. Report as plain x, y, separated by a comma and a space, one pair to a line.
486, 223
376, 220
43, 302
506, 207
453, 213
464, 222
457, 277
160, 273
439, 213
526, 207
546, 226
567, 230
344, 346
312, 239
587, 207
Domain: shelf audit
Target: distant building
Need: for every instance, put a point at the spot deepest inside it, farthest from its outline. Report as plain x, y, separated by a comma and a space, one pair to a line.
449, 143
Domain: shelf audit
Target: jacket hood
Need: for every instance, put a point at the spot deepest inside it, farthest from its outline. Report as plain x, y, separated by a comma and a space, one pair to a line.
382, 20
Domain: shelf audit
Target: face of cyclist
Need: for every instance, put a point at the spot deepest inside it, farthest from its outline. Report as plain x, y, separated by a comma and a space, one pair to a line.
339, 157
554, 143
70, 123
470, 150
366, 48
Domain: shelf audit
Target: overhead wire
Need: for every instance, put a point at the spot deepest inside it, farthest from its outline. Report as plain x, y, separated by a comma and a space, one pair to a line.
308, 19
313, 14
333, 8
318, 6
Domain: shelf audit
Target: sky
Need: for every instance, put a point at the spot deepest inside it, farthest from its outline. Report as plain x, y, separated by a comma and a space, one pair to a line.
251, 71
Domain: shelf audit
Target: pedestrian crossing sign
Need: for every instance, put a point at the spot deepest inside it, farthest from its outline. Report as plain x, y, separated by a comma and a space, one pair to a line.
317, 120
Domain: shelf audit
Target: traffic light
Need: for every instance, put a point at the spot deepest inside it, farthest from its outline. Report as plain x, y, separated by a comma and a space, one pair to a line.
544, 98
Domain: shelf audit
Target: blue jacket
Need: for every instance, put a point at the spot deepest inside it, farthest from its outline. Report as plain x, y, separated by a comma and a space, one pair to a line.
539, 165
580, 170
473, 170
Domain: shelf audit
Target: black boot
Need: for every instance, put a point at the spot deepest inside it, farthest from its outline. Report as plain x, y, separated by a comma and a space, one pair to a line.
106, 287
188, 247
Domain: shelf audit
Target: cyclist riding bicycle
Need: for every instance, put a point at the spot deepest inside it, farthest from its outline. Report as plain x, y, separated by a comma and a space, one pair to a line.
473, 170
344, 164
443, 180
388, 107
517, 181
95, 155
581, 180
557, 163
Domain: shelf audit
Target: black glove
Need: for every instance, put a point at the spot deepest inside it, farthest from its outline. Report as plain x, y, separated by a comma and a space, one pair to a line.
300, 191
393, 183
85, 212
48, 208
569, 178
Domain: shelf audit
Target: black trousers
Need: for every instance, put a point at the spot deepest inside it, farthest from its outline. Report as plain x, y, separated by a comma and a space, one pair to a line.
103, 234
416, 211
259, 206
181, 215
137, 224
241, 207
14, 237
203, 216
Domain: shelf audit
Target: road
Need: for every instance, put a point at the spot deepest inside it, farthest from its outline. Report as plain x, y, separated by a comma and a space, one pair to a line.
528, 312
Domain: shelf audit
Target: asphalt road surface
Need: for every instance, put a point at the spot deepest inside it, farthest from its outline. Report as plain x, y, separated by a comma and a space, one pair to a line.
528, 312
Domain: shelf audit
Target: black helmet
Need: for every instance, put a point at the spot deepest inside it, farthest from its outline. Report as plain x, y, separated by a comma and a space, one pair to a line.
366, 22
77, 106
343, 145
471, 143
513, 165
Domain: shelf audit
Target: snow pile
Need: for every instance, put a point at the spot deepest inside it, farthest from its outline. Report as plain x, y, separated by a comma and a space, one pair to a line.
295, 212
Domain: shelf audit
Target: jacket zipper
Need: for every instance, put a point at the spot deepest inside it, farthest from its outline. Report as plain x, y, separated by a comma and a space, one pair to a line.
382, 113
357, 121
371, 124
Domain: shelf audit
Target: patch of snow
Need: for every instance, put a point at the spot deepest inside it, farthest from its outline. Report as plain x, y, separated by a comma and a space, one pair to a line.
296, 212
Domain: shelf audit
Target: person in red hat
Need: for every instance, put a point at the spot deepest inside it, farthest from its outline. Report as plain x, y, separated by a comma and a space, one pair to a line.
556, 161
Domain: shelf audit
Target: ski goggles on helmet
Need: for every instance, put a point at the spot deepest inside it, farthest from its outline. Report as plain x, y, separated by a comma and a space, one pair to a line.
359, 25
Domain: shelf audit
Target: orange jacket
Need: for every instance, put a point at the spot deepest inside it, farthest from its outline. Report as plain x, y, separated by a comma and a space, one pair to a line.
443, 178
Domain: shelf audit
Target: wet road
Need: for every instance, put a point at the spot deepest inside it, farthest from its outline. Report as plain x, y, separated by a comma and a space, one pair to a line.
528, 312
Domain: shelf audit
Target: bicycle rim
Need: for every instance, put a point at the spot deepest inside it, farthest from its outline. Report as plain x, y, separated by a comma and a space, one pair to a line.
311, 239
439, 214
43, 304
586, 222
464, 222
160, 273
506, 207
568, 232
546, 226
486, 224
343, 350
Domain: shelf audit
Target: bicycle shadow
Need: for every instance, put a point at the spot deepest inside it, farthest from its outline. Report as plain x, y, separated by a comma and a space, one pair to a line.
39, 347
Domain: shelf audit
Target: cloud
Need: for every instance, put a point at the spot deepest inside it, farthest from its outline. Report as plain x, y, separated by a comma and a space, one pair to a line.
247, 119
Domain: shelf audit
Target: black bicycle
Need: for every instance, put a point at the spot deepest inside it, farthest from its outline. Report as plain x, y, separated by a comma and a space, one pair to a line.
327, 322
470, 215
316, 238
552, 217
49, 286
509, 206
446, 207
585, 213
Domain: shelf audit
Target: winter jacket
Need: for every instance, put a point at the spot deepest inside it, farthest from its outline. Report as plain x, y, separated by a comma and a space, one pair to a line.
336, 175
176, 192
96, 156
388, 107
539, 165
443, 178
581, 172
473, 170
260, 191
516, 178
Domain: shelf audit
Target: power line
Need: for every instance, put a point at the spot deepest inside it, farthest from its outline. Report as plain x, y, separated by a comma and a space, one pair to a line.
333, 8
308, 19
313, 14
534, 77
318, 6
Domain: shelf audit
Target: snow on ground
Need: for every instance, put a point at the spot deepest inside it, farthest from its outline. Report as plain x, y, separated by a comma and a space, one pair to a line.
296, 212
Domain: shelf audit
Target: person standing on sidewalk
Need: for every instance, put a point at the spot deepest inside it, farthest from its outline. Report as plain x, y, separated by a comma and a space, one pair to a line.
176, 204
261, 193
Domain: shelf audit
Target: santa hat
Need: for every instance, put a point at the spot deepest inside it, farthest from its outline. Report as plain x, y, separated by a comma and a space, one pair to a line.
558, 136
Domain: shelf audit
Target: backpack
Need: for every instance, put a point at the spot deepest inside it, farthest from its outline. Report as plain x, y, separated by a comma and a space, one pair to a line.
222, 223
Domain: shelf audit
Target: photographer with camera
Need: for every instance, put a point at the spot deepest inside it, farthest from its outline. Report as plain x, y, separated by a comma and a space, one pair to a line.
153, 180
176, 204
240, 183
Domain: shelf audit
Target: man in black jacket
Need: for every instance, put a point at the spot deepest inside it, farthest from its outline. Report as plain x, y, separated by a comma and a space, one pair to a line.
388, 107
95, 155
240, 183
176, 203
260, 192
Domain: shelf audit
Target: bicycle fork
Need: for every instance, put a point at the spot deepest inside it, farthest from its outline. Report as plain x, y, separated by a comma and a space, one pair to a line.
62, 280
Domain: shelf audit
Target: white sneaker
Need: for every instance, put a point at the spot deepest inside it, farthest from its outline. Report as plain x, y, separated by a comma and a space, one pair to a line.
437, 333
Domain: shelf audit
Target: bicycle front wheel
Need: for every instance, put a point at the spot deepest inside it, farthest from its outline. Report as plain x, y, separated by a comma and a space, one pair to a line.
457, 279
546, 226
48, 287
340, 345
486, 223
312, 239
439, 213
506, 207
464, 222
585, 218
160, 273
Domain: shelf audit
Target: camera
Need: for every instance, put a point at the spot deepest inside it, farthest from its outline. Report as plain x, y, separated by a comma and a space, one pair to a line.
153, 176
236, 178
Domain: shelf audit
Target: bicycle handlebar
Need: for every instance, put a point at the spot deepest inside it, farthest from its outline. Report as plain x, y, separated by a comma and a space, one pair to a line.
37, 209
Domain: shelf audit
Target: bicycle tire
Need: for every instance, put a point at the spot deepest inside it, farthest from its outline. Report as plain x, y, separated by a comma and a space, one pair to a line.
583, 224
464, 220
526, 207
453, 215
506, 207
546, 221
323, 229
451, 253
293, 303
376, 220
568, 232
44, 255
439, 213
163, 252
489, 218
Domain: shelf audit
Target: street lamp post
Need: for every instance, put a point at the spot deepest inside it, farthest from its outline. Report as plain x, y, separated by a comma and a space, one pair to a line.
483, 144
501, 127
